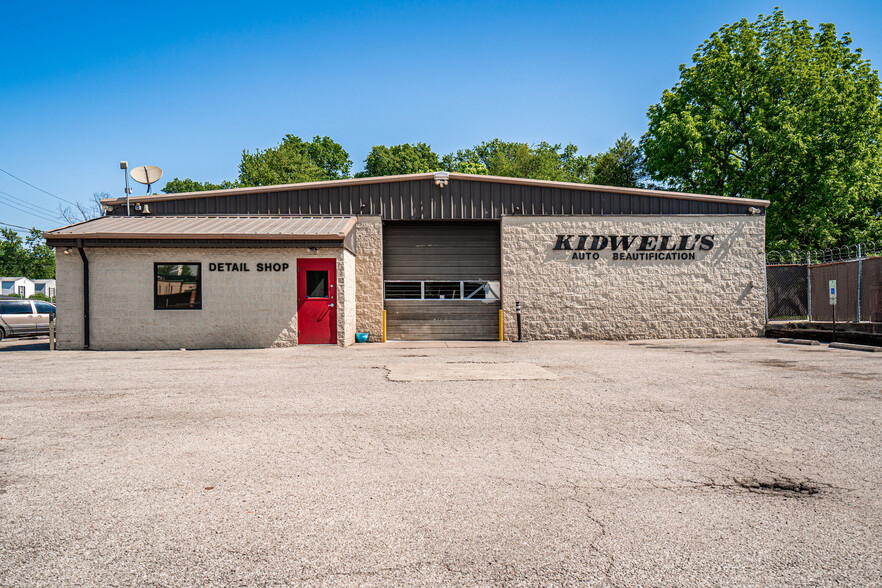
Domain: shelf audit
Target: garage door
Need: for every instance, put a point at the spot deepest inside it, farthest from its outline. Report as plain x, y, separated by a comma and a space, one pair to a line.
441, 280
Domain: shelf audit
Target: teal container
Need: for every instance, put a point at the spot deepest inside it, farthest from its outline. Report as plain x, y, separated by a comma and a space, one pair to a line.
361, 337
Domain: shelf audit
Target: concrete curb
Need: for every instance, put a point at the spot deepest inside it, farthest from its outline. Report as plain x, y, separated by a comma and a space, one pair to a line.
855, 347
799, 341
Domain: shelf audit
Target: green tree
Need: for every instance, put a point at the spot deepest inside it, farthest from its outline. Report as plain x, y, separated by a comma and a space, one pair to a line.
620, 165
400, 159
542, 161
177, 186
774, 109
293, 161
476, 168
29, 256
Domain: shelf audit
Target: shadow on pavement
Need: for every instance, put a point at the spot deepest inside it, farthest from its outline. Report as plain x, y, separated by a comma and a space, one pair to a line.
41, 344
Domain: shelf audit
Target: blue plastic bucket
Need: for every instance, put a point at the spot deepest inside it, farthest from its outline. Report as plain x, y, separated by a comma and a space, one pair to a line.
361, 337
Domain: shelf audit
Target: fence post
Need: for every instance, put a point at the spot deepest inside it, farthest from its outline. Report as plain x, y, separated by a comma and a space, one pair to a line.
766, 285
860, 270
808, 270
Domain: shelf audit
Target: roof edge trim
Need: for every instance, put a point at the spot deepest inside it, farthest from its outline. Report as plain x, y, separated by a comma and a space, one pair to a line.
430, 175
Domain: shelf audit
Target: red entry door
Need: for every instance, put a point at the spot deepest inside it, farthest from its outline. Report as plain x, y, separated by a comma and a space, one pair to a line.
316, 301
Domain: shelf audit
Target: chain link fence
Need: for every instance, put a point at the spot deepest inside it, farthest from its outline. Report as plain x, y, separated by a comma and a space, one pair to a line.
797, 284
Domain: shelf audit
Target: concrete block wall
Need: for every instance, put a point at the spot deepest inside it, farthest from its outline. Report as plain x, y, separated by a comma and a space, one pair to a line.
239, 309
346, 299
69, 299
566, 298
369, 276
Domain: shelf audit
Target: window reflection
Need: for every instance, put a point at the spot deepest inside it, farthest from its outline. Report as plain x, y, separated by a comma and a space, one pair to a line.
178, 285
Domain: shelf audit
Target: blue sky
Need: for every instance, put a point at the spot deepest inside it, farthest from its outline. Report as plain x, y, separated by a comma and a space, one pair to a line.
187, 86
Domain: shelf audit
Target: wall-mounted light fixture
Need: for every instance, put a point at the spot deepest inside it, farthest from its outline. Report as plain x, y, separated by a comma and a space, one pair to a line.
754, 210
442, 178
313, 249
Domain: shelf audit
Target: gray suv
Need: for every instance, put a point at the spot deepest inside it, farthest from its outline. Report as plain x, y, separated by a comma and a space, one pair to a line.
24, 318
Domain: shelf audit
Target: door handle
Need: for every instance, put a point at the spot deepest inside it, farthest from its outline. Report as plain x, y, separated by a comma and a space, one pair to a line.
331, 305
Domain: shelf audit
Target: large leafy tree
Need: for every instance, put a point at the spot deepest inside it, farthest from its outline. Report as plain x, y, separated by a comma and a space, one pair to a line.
28, 256
291, 161
542, 161
295, 160
775, 109
177, 186
400, 159
620, 165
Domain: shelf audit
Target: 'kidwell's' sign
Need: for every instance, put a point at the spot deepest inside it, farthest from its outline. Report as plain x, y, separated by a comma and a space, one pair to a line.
634, 247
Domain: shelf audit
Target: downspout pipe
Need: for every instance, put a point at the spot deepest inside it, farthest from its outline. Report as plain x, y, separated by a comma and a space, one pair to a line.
85, 293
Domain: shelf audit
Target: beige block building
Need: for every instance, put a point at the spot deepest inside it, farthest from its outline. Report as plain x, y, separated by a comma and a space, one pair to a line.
417, 257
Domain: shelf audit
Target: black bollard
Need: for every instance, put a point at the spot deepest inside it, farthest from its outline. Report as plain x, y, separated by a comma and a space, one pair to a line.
518, 312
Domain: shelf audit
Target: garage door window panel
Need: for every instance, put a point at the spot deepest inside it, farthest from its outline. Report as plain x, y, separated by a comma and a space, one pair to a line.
443, 291
404, 290
479, 290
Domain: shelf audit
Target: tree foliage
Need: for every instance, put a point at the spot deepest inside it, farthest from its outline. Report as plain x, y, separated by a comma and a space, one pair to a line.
29, 256
773, 109
177, 186
293, 161
621, 165
400, 159
542, 161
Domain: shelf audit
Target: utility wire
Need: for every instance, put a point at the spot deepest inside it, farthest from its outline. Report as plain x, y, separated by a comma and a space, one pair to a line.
23, 208
23, 202
26, 211
16, 226
37, 188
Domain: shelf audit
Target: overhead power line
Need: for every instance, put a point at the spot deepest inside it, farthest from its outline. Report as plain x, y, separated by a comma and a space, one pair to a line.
16, 226
25, 210
36, 187
35, 207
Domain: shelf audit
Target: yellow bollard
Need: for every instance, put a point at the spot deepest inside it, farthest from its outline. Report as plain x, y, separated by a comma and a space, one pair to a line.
384, 325
500, 326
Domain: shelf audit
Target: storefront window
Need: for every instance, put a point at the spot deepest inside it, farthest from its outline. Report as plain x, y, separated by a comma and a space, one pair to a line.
177, 286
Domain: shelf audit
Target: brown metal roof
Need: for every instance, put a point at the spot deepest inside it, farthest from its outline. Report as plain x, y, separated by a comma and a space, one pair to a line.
429, 175
286, 228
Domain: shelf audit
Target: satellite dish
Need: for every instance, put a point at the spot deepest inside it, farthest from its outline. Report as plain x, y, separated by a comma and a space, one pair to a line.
146, 174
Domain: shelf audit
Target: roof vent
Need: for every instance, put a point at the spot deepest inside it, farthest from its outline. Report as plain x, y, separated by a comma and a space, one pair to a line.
442, 178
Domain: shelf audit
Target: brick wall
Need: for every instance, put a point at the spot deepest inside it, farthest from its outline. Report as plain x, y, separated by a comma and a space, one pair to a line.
239, 309
566, 298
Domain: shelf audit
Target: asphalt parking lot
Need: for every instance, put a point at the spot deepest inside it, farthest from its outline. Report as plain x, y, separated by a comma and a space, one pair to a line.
665, 463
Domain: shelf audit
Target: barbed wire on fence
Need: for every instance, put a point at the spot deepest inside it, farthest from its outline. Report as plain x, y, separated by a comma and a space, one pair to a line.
829, 255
